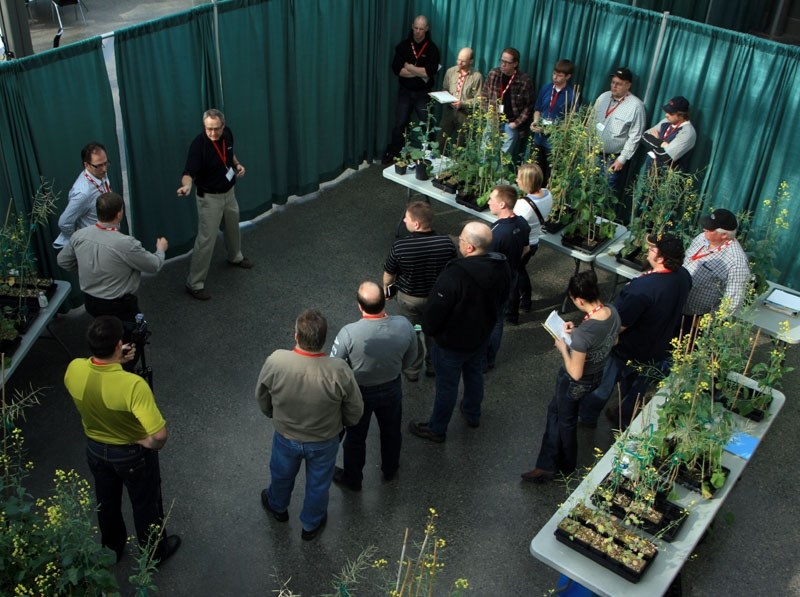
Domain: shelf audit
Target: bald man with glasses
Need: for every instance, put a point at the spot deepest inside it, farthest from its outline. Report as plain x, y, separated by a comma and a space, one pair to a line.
90, 184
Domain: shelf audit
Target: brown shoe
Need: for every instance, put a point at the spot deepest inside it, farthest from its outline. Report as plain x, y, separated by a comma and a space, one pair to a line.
201, 294
538, 475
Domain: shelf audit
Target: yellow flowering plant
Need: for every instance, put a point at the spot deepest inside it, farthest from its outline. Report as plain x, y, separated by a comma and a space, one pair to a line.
47, 545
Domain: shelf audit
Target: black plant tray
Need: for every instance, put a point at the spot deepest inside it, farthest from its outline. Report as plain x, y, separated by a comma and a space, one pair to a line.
690, 481
553, 227
674, 515
447, 188
630, 260
471, 203
754, 415
32, 302
601, 558
9, 347
579, 244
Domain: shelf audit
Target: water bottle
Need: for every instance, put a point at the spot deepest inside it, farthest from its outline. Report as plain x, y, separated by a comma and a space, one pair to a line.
42, 300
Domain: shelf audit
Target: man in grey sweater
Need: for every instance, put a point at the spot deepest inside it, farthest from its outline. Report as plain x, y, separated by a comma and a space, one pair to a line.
309, 397
378, 347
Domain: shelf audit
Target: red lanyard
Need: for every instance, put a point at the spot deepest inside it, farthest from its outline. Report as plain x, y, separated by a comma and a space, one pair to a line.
610, 110
302, 352
697, 255
652, 271
222, 154
511, 80
107, 228
105, 188
554, 98
669, 130
374, 316
461, 78
418, 54
593, 311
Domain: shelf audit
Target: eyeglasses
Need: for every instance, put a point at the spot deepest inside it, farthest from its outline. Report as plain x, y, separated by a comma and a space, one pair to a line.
213, 128
503, 61
103, 165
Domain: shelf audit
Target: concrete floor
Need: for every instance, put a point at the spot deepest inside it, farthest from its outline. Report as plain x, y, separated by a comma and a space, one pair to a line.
206, 357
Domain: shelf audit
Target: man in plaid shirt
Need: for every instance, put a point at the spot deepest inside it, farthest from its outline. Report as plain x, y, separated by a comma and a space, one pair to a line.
512, 91
718, 265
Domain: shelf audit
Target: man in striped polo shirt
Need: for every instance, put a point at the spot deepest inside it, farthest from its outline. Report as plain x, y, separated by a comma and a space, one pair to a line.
412, 266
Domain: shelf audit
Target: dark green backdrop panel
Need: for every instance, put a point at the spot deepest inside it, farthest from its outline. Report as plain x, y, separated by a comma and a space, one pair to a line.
52, 105
167, 78
738, 15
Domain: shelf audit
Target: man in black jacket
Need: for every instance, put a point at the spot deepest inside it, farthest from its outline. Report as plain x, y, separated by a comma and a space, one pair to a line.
415, 63
460, 314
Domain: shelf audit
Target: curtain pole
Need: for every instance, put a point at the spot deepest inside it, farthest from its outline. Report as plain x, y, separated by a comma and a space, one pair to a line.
217, 52
656, 55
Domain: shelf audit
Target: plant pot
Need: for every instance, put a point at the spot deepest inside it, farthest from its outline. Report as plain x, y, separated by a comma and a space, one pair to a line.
398, 169
444, 186
8, 347
588, 541
662, 518
583, 245
634, 260
470, 200
421, 171
743, 405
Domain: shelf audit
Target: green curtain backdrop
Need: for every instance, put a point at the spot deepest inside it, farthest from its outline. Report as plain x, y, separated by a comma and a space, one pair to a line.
167, 78
51, 105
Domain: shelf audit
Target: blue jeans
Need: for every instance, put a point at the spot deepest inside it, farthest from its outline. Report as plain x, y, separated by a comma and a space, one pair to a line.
510, 140
450, 366
320, 457
633, 386
385, 400
614, 178
559, 451
137, 469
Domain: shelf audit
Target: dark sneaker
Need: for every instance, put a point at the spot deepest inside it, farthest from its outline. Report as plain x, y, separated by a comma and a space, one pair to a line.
169, 545
245, 263
422, 430
309, 535
279, 516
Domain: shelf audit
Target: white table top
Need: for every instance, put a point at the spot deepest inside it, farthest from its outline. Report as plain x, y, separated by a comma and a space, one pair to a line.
666, 566
38, 326
554, 241
409, 180
769, 320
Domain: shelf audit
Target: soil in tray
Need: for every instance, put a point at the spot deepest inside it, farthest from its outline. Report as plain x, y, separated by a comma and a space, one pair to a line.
633, 260
582, 245
596, 547
446, 187
470, 202
662, 518
12, 299
693, 479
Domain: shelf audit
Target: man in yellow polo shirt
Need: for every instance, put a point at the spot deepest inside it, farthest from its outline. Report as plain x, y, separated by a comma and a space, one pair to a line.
124, 431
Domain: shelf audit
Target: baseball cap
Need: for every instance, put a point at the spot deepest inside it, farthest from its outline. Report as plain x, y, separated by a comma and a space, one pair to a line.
623, 73
719, 218
668, 245
676, 104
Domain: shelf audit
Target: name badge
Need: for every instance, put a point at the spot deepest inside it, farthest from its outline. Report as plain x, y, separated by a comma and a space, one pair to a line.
230, 174
651, 155
546, 121
600, 127
501, 108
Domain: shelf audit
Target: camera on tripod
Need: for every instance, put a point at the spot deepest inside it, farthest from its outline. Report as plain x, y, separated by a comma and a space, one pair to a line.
140, 335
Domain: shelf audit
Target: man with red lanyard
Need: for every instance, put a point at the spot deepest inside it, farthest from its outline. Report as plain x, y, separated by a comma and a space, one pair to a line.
650, 308
415, 63
110, 263
214, 167
718, 265
464, 83
554, 100
619, 120
80, 210
670, 142
512, 92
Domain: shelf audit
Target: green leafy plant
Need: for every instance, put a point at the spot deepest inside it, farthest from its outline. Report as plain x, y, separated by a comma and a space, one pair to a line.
762, 238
